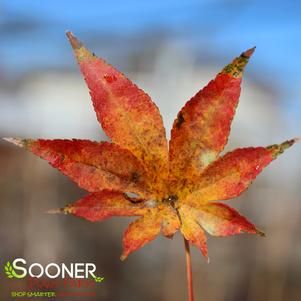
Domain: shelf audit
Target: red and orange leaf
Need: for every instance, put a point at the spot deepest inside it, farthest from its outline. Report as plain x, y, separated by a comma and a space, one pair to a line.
155, 218
202, 127
217, 219
221, 220
162, 218
191, 229
176, 189
126, 113
101, 205
232, 173
93, 166
139, 233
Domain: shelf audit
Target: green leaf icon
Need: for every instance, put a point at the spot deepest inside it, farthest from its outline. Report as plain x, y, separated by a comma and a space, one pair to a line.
10, 272
8, 269
98, 279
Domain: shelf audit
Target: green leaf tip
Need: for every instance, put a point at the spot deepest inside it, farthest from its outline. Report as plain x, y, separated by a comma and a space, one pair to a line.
237, 66
278, 149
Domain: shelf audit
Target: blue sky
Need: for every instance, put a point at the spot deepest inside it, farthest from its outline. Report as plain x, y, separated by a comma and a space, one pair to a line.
33, 28
32, 32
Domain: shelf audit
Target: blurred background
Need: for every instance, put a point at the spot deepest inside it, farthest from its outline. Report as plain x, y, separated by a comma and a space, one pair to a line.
171, 49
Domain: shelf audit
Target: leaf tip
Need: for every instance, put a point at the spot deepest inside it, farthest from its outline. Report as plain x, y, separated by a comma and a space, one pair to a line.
55, 211
278, 149
260, 233
237, 66
75, 43
66, 210
248, 53
16, 141
123, 257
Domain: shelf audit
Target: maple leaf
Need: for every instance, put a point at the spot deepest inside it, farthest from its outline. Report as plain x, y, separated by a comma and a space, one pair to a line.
176, 188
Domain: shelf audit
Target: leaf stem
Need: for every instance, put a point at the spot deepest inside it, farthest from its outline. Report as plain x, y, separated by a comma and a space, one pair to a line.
188, 271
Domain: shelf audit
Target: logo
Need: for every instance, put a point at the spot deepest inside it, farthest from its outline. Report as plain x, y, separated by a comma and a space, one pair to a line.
10, 272
53, 277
